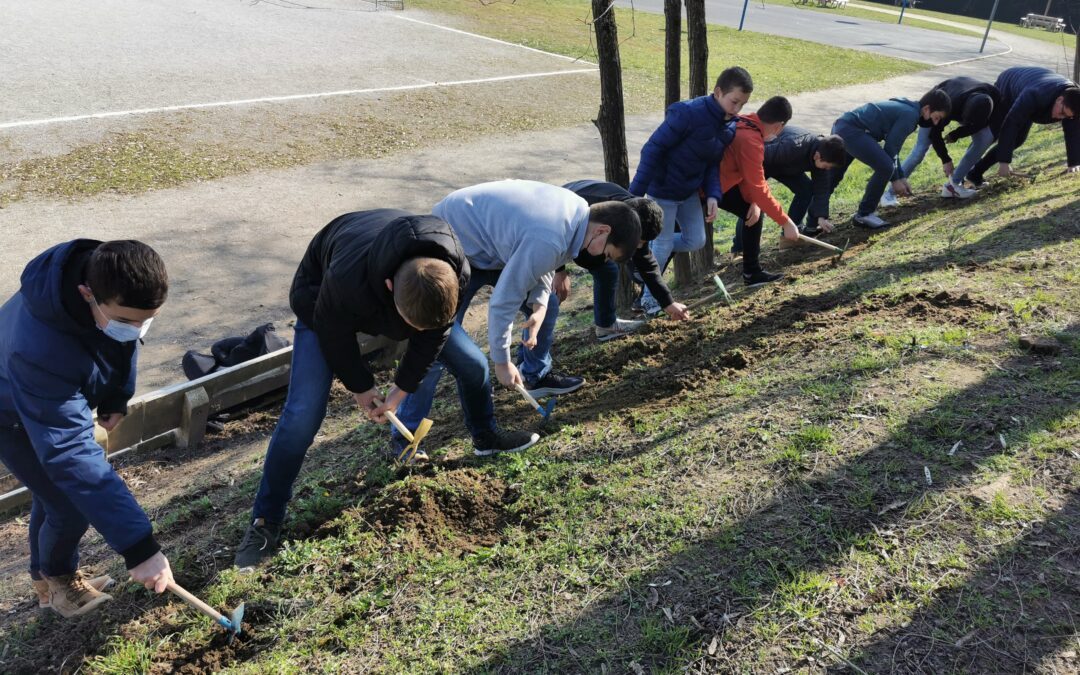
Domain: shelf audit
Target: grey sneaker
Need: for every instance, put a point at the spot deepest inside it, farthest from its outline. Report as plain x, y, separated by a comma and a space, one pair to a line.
650, 306
871, 221
618, 329
259, 543
889, 200
493, 442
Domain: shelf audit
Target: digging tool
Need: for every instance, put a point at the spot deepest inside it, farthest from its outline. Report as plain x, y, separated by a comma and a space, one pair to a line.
721, 293
231, 624
413, 437
544, 410
825, 245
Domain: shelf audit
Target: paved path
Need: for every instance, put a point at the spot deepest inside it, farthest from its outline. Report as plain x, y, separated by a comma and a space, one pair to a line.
836, 28
232, 245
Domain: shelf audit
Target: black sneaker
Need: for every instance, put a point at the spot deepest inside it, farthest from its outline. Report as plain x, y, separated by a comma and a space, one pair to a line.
760, 278
553, 383
810, 230
259, 543
493, 442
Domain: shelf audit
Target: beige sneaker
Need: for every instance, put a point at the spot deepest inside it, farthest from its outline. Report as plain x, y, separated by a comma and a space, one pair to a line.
41, 588
73, 595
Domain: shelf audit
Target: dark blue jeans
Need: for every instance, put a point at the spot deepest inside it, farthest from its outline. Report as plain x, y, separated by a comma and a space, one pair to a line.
56, 526
469, 365
802, 187
862, 146
605, 284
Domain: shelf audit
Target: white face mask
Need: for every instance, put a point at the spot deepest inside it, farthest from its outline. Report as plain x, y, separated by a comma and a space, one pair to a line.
123, 332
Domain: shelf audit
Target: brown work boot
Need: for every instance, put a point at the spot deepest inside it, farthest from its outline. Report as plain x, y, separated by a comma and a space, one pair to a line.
72, 595
41, 588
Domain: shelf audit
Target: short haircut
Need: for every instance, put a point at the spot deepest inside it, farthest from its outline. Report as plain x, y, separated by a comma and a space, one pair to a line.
735, 77
651, 216
938, 101
624, 222
977, 111
1072, 99
776, 109
129, 273
426, 292
831, 149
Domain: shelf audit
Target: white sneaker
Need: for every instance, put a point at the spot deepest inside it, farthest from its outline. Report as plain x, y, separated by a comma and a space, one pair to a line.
620, 328
952, 191
871, 221
888, 200
650, 306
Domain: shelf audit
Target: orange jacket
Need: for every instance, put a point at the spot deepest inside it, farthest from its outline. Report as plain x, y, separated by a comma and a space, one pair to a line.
743, 165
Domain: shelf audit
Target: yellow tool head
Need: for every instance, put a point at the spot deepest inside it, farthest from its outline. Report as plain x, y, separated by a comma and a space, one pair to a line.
421, 431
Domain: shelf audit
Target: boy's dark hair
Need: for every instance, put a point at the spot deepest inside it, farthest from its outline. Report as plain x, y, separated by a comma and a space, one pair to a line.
831, 149
426, 292
1071, 100
624, 222
776, 109
938, 101
128, 272
735, 77
651, 216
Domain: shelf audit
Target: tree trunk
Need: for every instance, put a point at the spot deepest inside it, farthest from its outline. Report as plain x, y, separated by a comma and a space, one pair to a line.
1076, 60
672, 51
611, 120
690, 267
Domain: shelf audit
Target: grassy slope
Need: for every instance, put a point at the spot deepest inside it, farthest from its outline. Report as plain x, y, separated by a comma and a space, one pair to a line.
744, 492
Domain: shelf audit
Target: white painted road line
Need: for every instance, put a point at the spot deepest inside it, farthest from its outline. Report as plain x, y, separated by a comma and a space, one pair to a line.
292, 97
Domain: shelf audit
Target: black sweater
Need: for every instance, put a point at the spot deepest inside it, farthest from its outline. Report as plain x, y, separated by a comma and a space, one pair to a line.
792, 152
340, 290
960, 91
596, 191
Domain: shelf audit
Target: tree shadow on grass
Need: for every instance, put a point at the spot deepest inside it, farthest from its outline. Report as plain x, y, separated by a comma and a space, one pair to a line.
814, 523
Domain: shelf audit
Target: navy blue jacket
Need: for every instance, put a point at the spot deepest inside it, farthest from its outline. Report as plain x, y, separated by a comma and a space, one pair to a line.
792, 152
56, 367
1028, 94
682, 154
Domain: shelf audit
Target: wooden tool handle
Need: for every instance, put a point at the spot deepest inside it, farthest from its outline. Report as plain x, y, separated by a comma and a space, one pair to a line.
399, 426
196, 603
819, 243
528, 397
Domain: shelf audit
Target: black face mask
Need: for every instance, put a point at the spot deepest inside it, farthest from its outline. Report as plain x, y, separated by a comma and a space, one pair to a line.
925, 123
589, 261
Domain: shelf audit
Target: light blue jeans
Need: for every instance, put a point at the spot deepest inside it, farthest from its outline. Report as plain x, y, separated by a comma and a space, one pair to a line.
981, 140
687, 212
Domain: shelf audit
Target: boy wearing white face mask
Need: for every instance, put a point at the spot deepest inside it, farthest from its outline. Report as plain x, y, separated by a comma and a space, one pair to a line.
745, 189
68, 347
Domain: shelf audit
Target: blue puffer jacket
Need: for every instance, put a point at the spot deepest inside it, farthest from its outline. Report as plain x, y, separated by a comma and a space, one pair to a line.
682, 154
54, 371
1028, 96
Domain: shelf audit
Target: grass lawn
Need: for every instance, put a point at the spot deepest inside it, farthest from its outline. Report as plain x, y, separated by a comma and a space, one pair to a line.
860, 465
561, 26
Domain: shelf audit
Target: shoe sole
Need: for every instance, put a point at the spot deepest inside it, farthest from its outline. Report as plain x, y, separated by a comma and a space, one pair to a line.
553, 391
759, 284
868, 226
533, 440
610, 336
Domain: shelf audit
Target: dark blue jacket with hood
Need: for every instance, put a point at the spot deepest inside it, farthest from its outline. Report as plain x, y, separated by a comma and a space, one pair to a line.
682, 154
56, 368
1028, 95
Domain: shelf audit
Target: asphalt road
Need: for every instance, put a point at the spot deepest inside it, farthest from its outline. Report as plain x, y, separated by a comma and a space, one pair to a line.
835, 28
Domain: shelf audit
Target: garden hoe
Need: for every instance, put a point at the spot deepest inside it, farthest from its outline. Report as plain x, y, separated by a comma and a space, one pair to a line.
232, 625
827, 246
544, 410
721, 293
413, 437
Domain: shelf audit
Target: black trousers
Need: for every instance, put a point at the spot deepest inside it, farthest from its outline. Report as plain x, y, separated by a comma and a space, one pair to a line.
733, 203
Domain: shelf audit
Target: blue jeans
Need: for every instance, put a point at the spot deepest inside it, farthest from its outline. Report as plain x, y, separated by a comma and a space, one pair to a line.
862, 146
605, 284
469, 365
305, 408
981, 141
687, 212
802, 189
56, 526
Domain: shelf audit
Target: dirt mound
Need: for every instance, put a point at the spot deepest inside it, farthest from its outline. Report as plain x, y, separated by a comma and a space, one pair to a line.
957, 308
213, 657
460, 510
